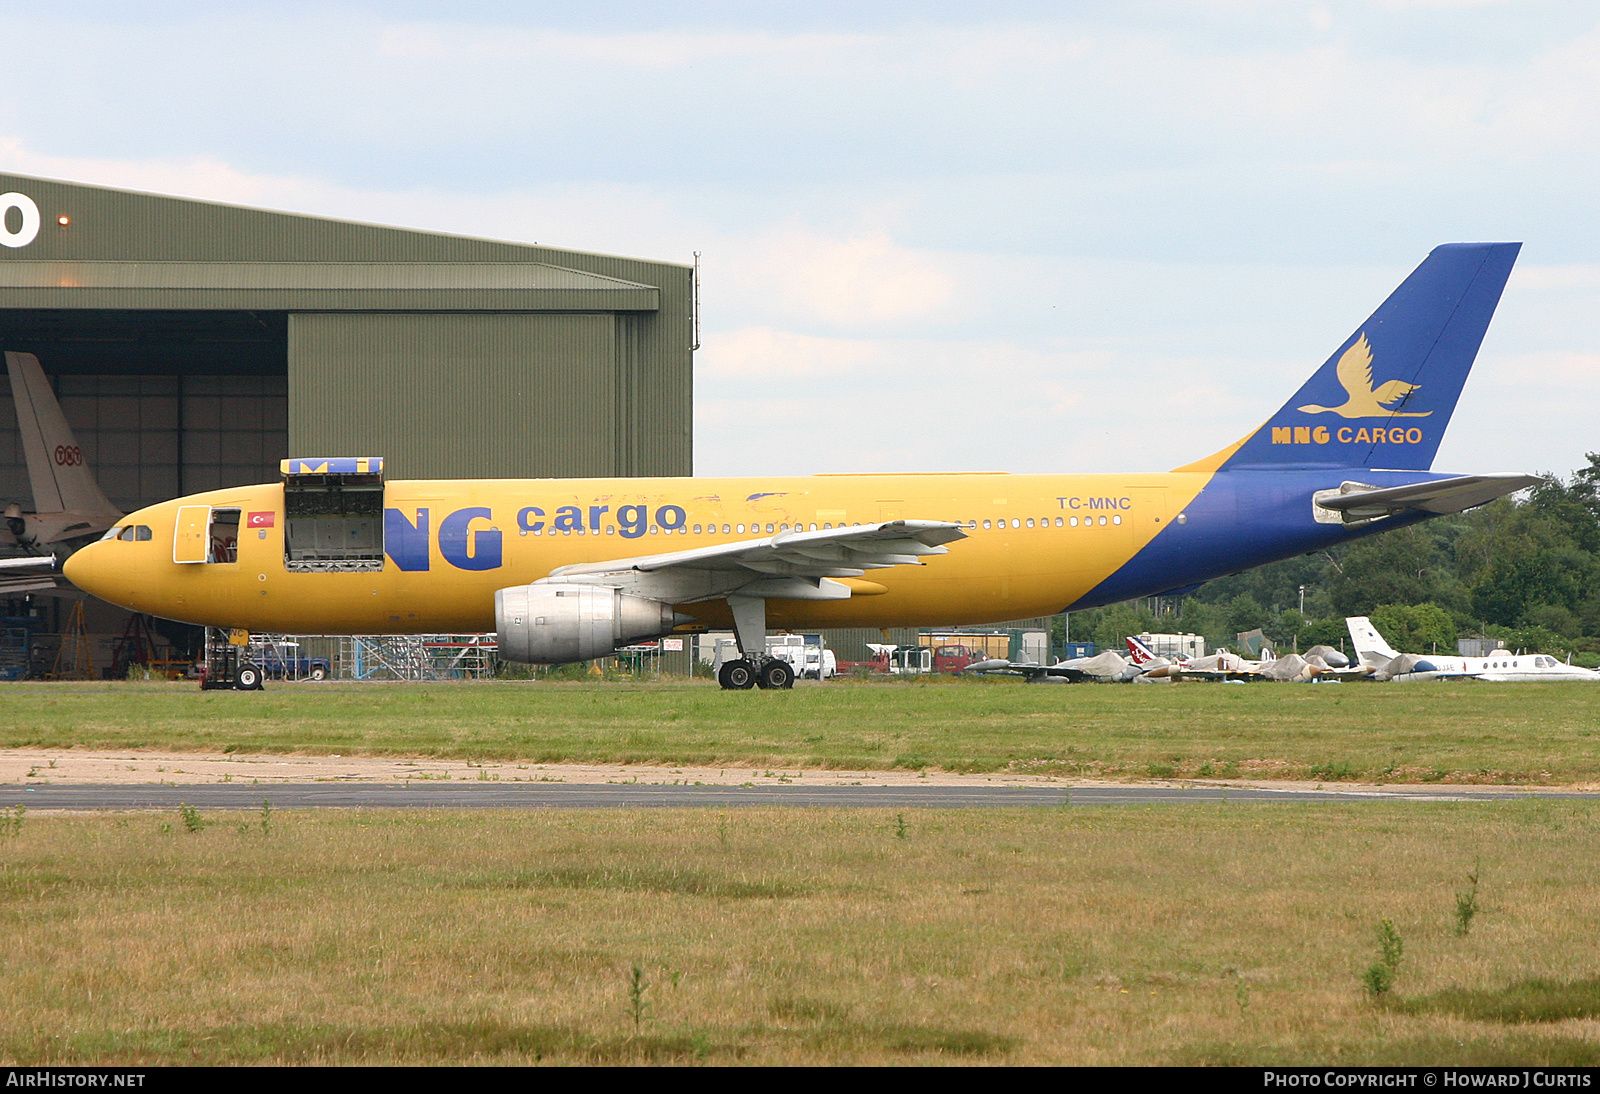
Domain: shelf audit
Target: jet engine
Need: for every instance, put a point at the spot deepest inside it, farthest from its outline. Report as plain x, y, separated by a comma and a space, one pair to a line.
559, 624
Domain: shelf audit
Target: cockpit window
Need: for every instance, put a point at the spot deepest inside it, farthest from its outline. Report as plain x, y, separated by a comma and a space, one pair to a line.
141, 532
111, 533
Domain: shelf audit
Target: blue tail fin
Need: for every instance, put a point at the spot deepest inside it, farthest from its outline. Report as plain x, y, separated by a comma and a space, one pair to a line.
1384, 398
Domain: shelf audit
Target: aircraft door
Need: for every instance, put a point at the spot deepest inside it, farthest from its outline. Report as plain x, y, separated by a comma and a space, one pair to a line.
191, 539
334, 516
224, 536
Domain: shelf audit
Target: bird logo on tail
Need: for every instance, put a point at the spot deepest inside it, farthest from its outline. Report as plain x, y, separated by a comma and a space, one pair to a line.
1354, 372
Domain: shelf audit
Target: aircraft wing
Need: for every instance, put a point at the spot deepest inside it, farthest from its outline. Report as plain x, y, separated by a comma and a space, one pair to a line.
790, 565
1357, 672
15, 580
1441, 496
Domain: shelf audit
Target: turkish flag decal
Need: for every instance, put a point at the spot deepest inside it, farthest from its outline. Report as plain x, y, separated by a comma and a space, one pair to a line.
261, 520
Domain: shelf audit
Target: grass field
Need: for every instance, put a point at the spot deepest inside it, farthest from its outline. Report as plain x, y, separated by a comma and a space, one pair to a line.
1174, 934
1462, 732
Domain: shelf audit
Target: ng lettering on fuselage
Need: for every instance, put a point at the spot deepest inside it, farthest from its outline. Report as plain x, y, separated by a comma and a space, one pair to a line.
469, 539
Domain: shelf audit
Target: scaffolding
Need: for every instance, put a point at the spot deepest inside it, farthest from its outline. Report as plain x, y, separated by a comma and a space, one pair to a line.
416, 656
73, 658
16, 646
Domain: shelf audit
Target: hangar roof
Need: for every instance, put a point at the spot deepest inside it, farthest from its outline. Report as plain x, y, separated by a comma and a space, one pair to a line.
95, 247
290, 286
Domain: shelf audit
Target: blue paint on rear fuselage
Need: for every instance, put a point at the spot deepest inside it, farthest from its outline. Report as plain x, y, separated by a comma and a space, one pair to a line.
1243, 519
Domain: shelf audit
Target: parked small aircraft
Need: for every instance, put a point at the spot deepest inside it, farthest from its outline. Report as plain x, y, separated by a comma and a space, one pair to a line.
1501, 667
1319, 663
1105, 667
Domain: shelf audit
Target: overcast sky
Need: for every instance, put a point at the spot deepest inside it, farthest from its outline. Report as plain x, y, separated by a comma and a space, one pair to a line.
999, 236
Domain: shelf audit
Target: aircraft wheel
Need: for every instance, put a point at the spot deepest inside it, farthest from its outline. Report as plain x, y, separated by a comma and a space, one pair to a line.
739, 675
248, 678
775, 675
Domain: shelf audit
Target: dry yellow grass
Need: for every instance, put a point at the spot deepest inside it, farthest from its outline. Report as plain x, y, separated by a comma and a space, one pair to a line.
1081, 935
1463, 732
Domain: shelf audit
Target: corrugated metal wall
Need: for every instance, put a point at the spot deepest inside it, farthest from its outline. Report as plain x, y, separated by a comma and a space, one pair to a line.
151, 438
457, 396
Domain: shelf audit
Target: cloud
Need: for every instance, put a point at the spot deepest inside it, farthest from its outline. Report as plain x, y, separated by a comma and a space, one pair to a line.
1542, 278
650, 50
908, 404
1103, 239
859, 278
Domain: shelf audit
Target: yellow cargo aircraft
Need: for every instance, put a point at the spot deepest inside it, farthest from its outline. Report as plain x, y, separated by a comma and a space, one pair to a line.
570, 569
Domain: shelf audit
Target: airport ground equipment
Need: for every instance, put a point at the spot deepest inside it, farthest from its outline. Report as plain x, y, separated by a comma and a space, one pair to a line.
140, 647
282, 658
227, 664
805, 654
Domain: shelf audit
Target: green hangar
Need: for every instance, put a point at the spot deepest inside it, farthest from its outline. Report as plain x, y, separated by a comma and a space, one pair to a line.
194, 345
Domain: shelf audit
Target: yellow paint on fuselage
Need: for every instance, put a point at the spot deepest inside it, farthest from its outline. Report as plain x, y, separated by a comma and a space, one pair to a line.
1022, 564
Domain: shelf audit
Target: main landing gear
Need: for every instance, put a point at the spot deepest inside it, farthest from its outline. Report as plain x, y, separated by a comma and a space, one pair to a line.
756, 668
769, 673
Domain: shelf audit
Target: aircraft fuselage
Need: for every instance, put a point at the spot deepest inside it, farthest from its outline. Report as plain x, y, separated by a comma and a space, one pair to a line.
1036, 544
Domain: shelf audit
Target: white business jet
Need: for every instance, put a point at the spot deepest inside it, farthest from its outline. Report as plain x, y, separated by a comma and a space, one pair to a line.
1500, 667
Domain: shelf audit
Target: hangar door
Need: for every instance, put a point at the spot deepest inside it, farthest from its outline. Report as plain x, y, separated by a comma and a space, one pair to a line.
161, 403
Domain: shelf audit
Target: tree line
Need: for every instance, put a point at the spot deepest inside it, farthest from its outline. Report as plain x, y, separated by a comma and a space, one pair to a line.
1523, 569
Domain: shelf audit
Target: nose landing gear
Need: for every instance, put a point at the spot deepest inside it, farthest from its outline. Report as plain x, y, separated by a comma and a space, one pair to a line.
225, 665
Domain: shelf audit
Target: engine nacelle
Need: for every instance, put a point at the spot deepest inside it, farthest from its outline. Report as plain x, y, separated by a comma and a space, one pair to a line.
559, 624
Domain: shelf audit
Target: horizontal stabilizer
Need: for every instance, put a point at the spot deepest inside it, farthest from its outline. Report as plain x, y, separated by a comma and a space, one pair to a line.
1454, 495
22, 586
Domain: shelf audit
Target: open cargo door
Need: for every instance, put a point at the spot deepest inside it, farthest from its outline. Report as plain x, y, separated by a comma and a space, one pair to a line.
333, 514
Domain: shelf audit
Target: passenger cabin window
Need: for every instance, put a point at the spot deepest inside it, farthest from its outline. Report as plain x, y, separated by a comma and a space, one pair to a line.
333, 521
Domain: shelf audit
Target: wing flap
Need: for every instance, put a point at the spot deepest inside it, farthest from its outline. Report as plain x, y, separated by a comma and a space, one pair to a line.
790, 565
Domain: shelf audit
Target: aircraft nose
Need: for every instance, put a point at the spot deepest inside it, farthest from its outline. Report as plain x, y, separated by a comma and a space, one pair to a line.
80, 568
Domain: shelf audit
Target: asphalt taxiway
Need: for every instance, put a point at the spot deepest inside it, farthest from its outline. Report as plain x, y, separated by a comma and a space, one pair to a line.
626, 795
